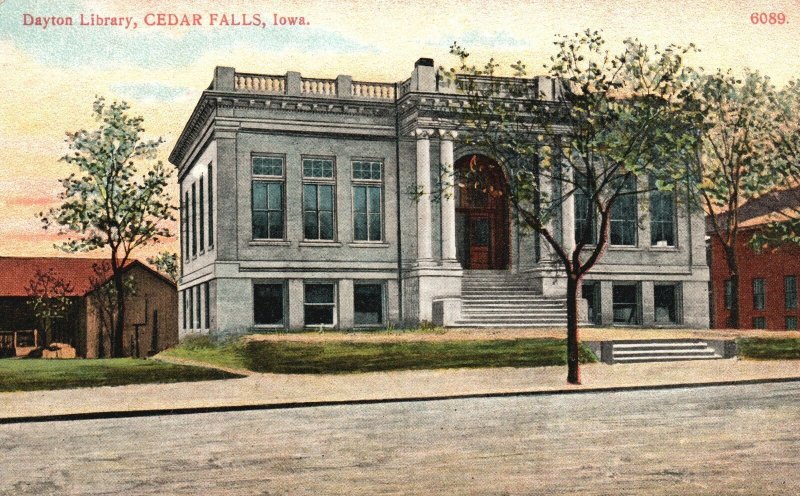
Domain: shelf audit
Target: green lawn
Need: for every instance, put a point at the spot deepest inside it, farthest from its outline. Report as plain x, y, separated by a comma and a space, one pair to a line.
293, 357
36, 374
769, 349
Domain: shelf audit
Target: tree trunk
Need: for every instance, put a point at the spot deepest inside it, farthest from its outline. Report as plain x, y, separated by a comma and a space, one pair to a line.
733, 268
119, 324
573, 338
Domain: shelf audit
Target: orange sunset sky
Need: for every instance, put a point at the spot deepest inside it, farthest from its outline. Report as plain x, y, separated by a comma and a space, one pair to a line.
49, 77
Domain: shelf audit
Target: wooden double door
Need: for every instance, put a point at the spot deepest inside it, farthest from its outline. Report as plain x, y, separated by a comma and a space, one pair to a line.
482, 220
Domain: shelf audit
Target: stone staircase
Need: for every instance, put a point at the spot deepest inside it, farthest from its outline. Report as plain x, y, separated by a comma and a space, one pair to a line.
662, 351
501, 299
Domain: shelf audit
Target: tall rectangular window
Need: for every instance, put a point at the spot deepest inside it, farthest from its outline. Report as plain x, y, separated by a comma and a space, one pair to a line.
318, 199
186, 310
210, 207
268, 198
368, 304
728, 294
202, 216
190, 308
585, 213
759, 296
207, 305
268, 301
367, 202
624, 215
319, 304
187, 233
198, 305
662, 216
625, 300
194, 219
665, 299
790, 292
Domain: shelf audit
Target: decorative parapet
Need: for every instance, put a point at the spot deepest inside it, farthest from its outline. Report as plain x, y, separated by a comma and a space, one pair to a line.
260, 83
343, 86
379, 91
315, 86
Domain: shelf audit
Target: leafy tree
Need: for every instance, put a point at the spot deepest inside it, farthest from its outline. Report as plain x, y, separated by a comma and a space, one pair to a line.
615, 127
167, 263
739, 155
117, 200
784, 226
103, 297
50, 301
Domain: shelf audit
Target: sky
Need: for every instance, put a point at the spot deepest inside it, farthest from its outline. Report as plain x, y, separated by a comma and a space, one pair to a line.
50, 75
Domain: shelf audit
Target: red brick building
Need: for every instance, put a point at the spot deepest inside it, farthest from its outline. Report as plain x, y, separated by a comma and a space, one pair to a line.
769, 277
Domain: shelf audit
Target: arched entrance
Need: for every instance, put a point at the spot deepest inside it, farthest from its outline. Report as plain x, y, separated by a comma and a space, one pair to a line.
482, 227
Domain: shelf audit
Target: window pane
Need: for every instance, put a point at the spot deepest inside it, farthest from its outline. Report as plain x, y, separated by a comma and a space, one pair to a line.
275, 200
374, 227
276, 225
326, 198
319, 293
368, 304
360, 227
376, 170
309, 197
259, 195
791, 323
268, 166
318, 315
317, 168
374, 200
758, 294
623, 216
260, 225
310, 230
325, 225
359, 199
268, 304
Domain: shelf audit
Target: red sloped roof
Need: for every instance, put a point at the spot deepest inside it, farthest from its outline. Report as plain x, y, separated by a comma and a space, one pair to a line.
16, 273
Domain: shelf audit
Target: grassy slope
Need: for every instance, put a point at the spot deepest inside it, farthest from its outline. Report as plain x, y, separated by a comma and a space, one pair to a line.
340, 357
769, 348
36, 374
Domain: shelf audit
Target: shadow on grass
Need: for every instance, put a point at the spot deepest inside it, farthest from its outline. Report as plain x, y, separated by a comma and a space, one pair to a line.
293, 357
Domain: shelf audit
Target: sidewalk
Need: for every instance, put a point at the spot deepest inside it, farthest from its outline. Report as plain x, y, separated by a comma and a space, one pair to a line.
283, 391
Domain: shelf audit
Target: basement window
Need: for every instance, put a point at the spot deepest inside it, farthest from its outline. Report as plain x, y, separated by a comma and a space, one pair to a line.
759, 323
665, 298
368, 304
791, 323
268, 304
625, 298
319, 304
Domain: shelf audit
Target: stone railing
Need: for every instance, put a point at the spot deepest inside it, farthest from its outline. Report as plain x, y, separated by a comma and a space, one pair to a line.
314, 86
379, 91
260, 83
293, 84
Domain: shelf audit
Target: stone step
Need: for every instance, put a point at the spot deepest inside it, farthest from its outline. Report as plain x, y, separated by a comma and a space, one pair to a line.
665, 358
700, 351
656, 344
510, 324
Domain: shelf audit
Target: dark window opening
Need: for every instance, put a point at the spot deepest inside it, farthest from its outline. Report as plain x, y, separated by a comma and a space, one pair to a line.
759, 323
666, 307
368, 304
625, 299
268, 304
268, 210
790, 292
759, 296
791, 323
210, 208
624, 215
728, 294
662, 216
319, 304
318, 208
591, 293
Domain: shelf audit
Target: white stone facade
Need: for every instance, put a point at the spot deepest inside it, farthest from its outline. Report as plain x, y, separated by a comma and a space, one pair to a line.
307, 216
